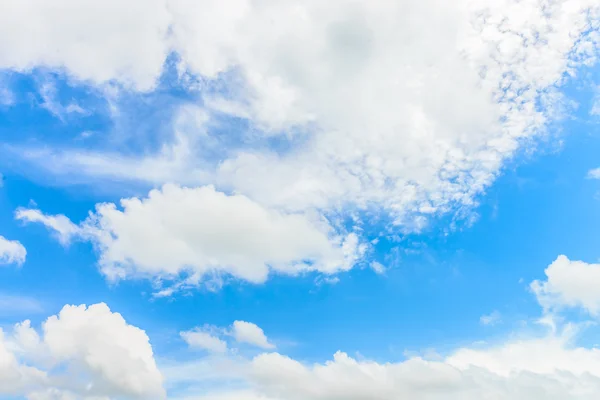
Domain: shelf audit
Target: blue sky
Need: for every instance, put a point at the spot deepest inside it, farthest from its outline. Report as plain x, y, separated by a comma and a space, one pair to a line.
278, 201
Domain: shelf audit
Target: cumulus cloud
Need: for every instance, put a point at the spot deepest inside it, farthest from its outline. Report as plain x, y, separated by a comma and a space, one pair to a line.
82, 353
281, 377
96, 41
15, 377
212, 339
374, 109
202, 232
247, 332
569, 284
548, 367
200, 339
11, 252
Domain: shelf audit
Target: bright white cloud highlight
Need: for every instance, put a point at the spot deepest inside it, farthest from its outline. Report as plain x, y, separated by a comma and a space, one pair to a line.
569, 284
247, 332
81, 353
202, 232
11, 252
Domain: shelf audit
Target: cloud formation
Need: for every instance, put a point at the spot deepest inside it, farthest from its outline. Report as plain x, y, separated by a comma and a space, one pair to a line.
82, 353
544, 367
373, 109
213, 339
11, 252
193, 234
569, 284
247, 332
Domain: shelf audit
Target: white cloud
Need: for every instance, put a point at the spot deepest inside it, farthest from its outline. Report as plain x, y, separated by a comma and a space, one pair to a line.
549, 367
83, 352
491, 319
11, 252
14, 377
594, 173
283, 378
378, 268
569, 284
125, 363
200, 339
98, 41
202, 232
60, 225
247, 332
47, 91
415, 118
210, 338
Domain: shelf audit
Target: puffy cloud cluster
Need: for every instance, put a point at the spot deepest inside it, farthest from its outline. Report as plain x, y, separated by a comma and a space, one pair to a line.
211, 339
350, 105
83, 352
545, 366
202, 233
11, 252
549, 367
96, 41
374, 108
91, 353
462, 376
569, 284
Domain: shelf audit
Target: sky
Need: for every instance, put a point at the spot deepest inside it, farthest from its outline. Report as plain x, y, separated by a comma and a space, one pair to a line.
278, 200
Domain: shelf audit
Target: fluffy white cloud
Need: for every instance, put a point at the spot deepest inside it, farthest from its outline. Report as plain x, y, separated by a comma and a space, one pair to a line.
247, 332
416, 118
125, 363
549, 367
344, 377
212, 339
570, 284
99, 41
199, 339
202, 232
374, 109
15, 377
60, 225
11, 252
84, 352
